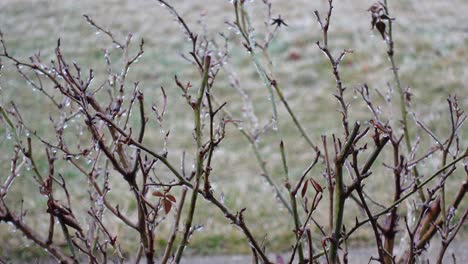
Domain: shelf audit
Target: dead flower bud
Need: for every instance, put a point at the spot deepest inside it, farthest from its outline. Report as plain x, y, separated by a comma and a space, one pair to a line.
279, 22
376, 9
379, 14
381, 28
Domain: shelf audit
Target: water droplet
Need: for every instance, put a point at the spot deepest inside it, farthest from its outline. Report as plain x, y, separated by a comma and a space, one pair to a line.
99, 201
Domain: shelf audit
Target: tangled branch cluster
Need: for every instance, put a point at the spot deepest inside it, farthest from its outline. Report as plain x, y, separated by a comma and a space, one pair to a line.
110, 145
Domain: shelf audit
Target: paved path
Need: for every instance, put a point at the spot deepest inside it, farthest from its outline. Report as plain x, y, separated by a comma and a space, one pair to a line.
356, 256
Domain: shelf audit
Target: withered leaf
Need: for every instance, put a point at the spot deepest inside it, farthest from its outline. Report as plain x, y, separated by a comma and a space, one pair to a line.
158, 194
70, 221
316, 185
304, 189
171, 197
167, 205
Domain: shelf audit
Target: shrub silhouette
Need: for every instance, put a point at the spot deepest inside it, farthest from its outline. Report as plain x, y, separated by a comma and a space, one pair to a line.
112, 144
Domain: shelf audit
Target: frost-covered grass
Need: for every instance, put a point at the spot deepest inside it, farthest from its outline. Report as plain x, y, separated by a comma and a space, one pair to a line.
431, 51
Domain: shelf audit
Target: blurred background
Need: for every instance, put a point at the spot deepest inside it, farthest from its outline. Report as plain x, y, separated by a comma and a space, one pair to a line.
431, 52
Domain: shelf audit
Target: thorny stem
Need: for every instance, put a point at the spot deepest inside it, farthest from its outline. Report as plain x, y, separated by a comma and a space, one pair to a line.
410, 193
69, 241
446, 241
401, 92
430, 232
114, 210
293, 200
143, 228
268, 81
199, 169
193, 37
170, 241
237, 219
331, 187
373, 223
389, 230
370, 161
454, 118
26, 152
211, 198
297, 225
358, 186
293, 116
315, 202
335, 63
265, 174
8, 216
212, 143
340, 193
425, 238
9, 122
244, 28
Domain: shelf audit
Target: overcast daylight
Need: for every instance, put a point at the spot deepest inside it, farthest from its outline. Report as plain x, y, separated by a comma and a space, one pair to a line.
233, 131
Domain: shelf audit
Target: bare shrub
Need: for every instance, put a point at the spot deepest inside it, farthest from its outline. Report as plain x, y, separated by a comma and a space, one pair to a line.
113, 119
